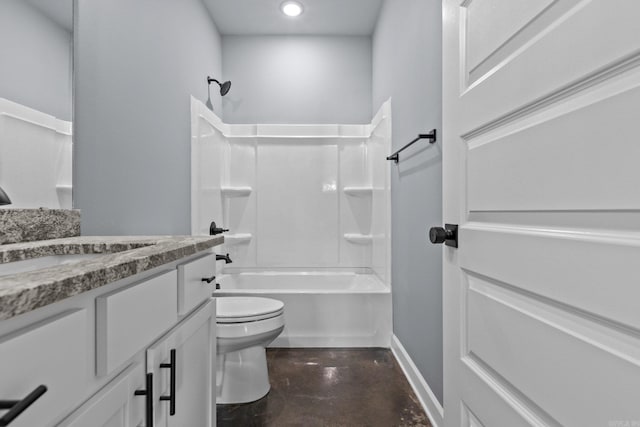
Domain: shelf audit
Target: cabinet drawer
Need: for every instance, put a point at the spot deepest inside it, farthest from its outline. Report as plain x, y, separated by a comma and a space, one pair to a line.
129, 319
52, 353
192, 290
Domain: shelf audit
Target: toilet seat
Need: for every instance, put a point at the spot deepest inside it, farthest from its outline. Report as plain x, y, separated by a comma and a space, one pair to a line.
247, 309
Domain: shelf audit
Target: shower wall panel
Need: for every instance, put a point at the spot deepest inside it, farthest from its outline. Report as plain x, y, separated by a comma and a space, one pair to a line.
379, 171
239, 211
355, 211
298, 203
208, 158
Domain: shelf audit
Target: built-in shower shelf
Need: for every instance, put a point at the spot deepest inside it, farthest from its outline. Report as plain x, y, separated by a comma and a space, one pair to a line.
237, 239
358, 239
236, 191
358, 191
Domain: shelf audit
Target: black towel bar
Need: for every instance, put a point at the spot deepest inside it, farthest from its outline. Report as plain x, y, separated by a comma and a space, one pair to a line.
431, 136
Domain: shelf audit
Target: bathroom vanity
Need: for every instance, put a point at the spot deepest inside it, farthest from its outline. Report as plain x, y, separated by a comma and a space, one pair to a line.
108, 331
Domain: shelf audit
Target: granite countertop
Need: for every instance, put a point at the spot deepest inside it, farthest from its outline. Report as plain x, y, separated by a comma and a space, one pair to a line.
27, 225
124, 256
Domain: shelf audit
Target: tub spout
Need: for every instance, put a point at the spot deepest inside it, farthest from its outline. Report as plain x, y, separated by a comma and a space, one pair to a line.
224, 258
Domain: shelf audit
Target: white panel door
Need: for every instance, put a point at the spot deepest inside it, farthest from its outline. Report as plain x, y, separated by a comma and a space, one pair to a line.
541, 172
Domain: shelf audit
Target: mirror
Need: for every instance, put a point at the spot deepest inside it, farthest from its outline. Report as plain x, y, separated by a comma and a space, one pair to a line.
36, 41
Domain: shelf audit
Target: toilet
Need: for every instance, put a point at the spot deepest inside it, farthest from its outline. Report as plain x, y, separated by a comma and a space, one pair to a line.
245, 326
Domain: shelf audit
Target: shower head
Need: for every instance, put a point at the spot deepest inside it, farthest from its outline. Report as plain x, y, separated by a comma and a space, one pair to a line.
224, 87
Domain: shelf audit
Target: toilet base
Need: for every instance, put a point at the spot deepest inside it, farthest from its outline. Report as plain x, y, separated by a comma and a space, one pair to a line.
242, 376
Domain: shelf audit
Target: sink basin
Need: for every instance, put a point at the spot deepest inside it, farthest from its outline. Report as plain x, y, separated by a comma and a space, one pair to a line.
33, 264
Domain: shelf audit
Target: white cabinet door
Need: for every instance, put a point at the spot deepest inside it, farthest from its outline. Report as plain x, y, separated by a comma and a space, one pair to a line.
115, 405
44, 367
182, 366
541, 154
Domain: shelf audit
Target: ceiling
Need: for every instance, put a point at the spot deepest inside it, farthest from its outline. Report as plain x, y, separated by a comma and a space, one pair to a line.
320, 17
59, 11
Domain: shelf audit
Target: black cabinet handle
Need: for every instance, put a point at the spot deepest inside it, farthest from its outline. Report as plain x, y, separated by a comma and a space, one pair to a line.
148, 392
172, 394
16, 407
209, 279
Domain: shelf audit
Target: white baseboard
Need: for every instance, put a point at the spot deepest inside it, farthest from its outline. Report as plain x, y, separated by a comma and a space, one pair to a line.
432, 407
301, 341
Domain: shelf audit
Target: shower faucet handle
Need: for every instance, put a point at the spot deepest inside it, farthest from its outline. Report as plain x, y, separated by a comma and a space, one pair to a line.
215, 230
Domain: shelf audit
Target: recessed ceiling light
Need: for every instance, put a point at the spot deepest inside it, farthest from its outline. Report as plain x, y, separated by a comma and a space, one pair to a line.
291, 8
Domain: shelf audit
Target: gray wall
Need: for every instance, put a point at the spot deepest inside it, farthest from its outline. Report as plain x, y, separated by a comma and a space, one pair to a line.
297, 79
407, 67
137, 62
36, 61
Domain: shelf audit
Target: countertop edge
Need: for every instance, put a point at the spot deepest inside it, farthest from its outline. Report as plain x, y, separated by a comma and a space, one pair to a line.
124, 256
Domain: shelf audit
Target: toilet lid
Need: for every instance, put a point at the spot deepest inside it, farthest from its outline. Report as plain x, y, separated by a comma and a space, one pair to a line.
246, 309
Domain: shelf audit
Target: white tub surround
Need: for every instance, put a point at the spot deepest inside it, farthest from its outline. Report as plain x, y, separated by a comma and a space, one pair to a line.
300, 198
294, 196
35, 157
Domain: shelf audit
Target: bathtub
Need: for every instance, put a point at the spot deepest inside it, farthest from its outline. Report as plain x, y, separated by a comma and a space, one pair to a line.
322, 309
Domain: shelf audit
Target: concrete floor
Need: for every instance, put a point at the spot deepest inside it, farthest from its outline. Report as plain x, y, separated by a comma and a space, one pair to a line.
330, 387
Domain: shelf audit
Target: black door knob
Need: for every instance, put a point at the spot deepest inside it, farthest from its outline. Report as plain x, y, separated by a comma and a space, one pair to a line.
439, 235
447, 235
